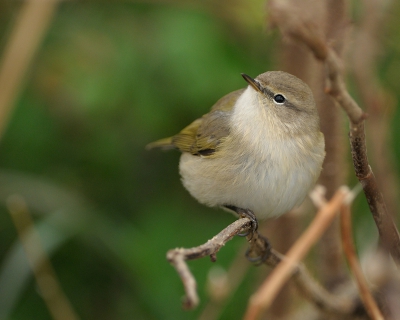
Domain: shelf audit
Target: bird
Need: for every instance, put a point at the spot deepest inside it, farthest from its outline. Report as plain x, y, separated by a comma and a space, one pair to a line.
257, 152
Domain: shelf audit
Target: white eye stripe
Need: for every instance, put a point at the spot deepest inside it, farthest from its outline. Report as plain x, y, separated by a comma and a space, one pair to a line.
279, 98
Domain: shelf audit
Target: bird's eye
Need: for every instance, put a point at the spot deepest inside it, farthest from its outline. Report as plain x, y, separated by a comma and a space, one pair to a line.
278, 98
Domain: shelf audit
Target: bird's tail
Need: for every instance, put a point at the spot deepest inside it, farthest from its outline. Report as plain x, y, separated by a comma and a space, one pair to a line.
164, 144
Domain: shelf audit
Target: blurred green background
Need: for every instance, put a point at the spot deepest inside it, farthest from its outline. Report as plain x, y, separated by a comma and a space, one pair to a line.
108, 79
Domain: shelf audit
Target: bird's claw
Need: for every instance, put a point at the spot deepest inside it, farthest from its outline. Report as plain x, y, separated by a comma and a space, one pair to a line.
246, 213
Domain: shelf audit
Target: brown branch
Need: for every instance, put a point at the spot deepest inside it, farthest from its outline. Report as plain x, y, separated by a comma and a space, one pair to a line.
30, 27
379, 102
269, 289
178, 256
45, 276
259, 247
336, 87
294, 27
350, 252
388, 232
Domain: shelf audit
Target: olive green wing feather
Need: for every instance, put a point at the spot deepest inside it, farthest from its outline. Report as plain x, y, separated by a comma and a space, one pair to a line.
203, 135
165, 143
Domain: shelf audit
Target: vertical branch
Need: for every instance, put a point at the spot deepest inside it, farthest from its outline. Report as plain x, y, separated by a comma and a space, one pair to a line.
388, 232
46, 279
30, 27
378, 102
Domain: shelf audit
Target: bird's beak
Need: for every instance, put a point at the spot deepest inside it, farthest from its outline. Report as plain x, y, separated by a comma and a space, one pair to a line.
255, 84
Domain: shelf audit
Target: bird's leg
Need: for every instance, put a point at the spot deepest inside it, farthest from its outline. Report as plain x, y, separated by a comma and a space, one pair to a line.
245, 213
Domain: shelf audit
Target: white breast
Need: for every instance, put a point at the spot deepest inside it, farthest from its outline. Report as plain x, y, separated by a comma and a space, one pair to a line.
268, 188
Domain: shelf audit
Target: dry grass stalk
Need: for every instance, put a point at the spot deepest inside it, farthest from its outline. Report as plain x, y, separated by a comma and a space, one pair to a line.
347, 241
56, 301
31, 25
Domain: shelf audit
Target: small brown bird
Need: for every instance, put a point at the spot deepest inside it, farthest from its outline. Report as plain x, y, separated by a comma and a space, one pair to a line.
258, 151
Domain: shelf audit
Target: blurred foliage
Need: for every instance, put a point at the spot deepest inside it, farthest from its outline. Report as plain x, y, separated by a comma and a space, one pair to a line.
109, 79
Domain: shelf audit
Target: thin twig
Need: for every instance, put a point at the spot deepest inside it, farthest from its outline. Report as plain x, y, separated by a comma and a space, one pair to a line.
31, 24
268, 290
46, 279
387, 229
350, 252
178, 256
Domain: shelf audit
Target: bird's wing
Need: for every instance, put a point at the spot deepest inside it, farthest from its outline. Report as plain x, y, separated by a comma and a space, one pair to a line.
203, 135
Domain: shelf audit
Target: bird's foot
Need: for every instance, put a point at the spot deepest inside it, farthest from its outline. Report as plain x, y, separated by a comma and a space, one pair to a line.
259, 250
245, 213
